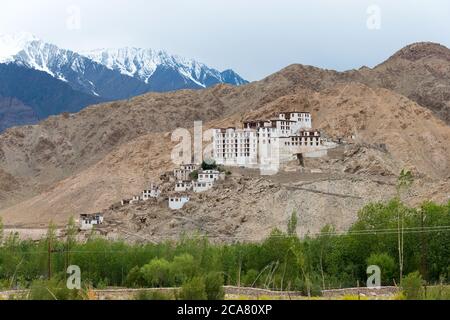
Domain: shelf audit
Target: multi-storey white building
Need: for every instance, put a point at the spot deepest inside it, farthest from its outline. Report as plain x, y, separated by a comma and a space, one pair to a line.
235, 146
267, 143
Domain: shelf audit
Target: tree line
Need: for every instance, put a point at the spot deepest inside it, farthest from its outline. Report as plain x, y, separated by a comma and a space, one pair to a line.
283, 261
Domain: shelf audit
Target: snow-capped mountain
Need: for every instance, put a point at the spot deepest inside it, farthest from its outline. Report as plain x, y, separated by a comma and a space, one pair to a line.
44, 79
80, 72
113, 73
143, 64
10, 45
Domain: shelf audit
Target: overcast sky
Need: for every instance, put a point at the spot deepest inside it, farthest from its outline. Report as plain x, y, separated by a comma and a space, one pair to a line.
253, 37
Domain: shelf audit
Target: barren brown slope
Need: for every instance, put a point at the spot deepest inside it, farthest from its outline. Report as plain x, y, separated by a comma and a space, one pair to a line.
61, 146
420, 71
37, 157
412, 135
40, 155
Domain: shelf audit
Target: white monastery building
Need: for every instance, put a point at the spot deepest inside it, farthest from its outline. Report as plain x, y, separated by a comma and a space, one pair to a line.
268, 143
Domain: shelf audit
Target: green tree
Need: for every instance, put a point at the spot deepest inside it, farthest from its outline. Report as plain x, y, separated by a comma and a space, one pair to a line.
194, 175
50, 242
292, 224
386, 264
209, 166
157, 272
214, 286
194, 289
412, 286
71, 234
1, 231
135, 278
183, 268
405, 180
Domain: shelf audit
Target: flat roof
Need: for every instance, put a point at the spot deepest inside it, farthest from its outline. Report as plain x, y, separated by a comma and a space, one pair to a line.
285, 120
301, 112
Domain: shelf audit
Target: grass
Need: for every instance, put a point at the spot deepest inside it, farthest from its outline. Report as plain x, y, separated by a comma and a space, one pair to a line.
440, 292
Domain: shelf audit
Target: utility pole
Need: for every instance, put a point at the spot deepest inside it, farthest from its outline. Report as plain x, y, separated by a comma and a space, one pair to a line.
49, 262
424, 253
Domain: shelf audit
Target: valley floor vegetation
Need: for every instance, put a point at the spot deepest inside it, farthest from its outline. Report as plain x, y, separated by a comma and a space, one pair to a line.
410, 245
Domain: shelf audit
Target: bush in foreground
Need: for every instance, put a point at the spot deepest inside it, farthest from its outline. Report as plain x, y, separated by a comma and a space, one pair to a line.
412, 286
194, 289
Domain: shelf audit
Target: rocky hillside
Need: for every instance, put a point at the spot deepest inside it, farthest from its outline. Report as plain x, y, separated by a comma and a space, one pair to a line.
85, 162
380, 118
420, 72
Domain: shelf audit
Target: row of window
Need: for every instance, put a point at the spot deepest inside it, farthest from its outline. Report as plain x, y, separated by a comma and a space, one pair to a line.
231, 156
312, 143
236, 135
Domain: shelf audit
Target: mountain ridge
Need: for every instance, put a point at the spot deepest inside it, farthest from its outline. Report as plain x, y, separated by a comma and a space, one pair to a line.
101, 81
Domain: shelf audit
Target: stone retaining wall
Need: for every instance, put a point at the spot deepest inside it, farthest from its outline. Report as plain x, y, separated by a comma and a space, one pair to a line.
364, 291
129, 294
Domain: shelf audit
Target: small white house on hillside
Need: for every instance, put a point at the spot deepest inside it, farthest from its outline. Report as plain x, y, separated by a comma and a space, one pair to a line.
177, 202
208, 176
202, 186
88, 221
183, 186
135, 199
152, 193
183, 173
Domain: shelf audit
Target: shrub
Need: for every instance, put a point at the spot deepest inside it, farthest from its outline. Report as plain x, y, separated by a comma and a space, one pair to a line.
412, 286
399, 296
386, 264
193, 175
209, 166
250, 278
214, 286
135, 278
439, 292
152, 295
183, 268
52, 290
354, 297
194, 289
156, 273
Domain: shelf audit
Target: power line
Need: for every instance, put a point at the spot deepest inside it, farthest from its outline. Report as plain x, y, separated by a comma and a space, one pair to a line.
356, 233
